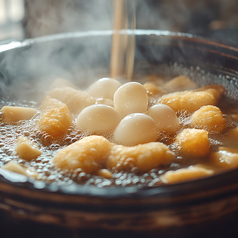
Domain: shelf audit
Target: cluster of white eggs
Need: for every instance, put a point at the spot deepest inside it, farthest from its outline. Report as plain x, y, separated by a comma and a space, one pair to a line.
125, 113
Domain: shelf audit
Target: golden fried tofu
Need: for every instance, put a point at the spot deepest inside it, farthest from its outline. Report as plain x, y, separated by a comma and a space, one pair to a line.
225, 158
76, 100
55, 119
26, 149
193, 143
186, 174
50, 103
17, 168
144, 156
191, 101
15, 114
89, 154
209, 118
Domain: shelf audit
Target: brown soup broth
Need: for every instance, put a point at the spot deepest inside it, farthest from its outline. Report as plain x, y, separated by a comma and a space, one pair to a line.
48, 172
43, 166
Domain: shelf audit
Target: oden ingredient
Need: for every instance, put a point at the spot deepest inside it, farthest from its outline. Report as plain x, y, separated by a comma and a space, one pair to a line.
144, 157
191, 101
15, 114
193, 143
123, 134
26, 149
185, 174
55, 118
95, 152
130, 98
134, 129
209, 118
98, 118
90, 154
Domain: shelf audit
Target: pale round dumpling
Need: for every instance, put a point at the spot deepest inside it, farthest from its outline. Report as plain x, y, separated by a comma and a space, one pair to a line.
134, 129
104, 88
98, 118
164, 117
130, 98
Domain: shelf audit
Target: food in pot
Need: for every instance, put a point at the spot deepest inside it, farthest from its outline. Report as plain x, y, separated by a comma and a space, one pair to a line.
26, 149
130, 134
55, 118
15, 114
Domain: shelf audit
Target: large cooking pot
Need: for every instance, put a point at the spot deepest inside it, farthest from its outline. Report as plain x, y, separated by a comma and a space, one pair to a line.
83, 57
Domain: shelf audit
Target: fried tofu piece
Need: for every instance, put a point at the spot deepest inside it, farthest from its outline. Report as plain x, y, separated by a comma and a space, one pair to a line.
225, 158
95, 153
186, 174
15, 114
144, 156
89, 154
55, 119
17, 168
76, 100
50, 103
26, 149
193, 143
191, 101
209, 118
14, 167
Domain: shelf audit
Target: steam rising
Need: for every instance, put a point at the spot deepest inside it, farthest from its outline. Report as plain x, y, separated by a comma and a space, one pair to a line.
40, 63
56, 16
84, 57
36, 65
48, 60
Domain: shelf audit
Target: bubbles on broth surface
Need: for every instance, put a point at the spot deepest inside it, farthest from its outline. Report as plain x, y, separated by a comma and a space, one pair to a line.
48, 172
204, 77
45, 169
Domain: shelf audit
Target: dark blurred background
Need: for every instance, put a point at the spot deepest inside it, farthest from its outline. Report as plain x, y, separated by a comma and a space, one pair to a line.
19, 19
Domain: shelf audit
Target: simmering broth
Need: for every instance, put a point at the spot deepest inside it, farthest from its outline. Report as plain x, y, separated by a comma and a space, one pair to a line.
184, 164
